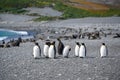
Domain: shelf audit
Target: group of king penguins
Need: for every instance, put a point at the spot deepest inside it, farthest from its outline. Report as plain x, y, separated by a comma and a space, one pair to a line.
49, 50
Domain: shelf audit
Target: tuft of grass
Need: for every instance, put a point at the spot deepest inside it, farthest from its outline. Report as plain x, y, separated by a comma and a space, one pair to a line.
15, 6
45, 18
33, 14
13, 10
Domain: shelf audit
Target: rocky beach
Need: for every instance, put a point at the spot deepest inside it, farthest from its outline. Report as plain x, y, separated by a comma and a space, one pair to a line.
17, 63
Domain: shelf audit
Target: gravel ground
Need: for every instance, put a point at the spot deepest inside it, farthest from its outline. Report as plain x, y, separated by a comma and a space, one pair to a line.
17, 63
46, 11
25, 22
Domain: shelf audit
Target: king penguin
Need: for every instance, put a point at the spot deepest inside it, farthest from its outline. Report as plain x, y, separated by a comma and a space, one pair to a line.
77, 48
46, 48
52, 50
60, 47
66, 51
82, 50
103, 50
36, 51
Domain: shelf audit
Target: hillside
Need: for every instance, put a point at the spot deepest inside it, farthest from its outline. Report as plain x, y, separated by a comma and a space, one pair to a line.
69, 8
107, 2
87, 5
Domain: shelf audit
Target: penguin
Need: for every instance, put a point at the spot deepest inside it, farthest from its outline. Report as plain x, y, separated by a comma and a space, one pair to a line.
46, 48
77, 48
36, 51
103, 50
52, 50
82, 50
66, 51
60, 47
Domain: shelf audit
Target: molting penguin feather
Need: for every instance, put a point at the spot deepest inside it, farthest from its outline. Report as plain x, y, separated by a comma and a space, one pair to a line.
60, 47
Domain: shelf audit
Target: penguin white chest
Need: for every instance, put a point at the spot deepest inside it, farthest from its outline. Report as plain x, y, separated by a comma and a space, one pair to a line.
66, 51
51, 52
103, 51
82, 51
36, 52
77, 50
45, 50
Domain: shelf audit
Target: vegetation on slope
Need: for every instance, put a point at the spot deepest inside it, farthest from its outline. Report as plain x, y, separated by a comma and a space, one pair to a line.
101, 10
83, 4
15, 6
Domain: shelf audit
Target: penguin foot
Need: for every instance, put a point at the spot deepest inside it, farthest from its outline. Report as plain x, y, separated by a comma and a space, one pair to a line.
81, 57
46, 57
60, 54
36, 58
103, 56
66, 57
76, 56
55, 57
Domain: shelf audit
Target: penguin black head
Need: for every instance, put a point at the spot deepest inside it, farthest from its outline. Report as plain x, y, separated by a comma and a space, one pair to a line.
53, 43
82, 44
58, 39
36, 43
103, 43
47, 43
77, 43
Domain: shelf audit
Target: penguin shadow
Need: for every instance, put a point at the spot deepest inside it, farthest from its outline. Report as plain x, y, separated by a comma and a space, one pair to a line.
107, 57
90, 57
42, 57
61, 57
38, 58
47, 58
110, 57
74, 57
58, 57
87, 57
